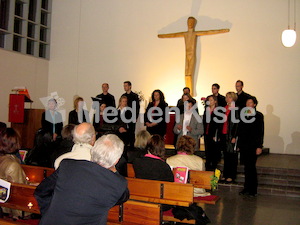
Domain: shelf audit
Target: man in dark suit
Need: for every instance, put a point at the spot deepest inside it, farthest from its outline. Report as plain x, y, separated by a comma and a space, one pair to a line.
131, 98
106, 97
81, 191
250, 143
215, 91
242, 96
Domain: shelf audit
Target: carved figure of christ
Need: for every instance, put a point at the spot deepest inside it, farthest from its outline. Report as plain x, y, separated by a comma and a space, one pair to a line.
190, 38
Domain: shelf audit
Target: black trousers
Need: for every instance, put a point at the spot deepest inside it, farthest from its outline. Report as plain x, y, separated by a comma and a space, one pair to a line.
230, 159
248, 154
212, 153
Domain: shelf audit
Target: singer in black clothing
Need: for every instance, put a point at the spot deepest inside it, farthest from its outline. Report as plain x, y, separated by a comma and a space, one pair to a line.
212, 134
151, 122
132, 102
250, 143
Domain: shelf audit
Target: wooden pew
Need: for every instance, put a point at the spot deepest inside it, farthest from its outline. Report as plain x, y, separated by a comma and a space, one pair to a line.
10, 222
35, 174
21, 198
199, 179
141, 213
162, 192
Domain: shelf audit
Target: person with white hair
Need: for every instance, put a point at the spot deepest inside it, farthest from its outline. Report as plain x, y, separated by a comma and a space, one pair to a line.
82, 191
84, 137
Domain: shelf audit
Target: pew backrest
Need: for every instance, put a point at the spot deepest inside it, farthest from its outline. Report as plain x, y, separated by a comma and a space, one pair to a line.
160, 192
35, 174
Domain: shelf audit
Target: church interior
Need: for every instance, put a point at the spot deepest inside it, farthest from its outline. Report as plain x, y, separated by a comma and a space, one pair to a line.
90, 42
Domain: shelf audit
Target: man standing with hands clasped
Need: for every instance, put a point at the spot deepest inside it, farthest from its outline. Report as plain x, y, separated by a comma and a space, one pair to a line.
250, 143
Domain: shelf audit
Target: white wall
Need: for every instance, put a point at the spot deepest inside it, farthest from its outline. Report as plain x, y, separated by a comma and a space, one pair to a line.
22, 70
112, 41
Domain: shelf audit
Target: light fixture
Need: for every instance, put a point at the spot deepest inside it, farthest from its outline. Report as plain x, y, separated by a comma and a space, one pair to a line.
289, 36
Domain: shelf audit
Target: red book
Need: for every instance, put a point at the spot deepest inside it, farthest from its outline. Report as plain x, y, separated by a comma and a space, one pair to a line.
181, 174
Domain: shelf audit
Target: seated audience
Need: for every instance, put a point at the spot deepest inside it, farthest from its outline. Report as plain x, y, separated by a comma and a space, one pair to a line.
2, 127
140, 143
84, 139
151, 122
78, 115
185, 155
189, 125
81, 191
66, 143
10, 167
152, 166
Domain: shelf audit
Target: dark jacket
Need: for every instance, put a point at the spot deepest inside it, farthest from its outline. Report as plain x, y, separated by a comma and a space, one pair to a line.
212, 128
152, 169
131, 97
221, 100
47, 122
73, 117
108, 99
242, 99
161, 127
80, 192
251, 134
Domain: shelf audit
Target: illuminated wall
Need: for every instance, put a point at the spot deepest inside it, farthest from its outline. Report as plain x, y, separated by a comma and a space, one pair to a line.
112, 41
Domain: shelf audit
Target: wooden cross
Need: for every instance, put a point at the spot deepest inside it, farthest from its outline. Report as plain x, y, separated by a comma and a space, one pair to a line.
190, 38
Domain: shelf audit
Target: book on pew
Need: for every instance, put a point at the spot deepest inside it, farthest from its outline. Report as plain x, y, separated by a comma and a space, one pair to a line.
181, 174
4, 190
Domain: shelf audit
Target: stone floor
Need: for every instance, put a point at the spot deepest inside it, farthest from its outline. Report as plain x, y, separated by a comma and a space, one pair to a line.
233, 209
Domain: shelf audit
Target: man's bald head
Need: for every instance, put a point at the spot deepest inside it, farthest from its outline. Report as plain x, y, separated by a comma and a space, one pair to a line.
84, 133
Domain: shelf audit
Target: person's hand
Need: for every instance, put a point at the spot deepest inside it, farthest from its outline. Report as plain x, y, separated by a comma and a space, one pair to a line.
122, 130
179, 127
233, 140
189, 128
215, 139
54, 136
258, 151
153, 124
113, 169
148, 124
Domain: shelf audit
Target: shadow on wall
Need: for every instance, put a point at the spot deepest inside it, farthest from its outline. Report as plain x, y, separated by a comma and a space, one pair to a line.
272, 139
294, 147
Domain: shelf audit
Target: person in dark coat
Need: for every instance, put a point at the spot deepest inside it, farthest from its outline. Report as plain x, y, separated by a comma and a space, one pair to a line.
212, 134
220, 98
78, 115
52, 122
81, 191
157, 105
229, 138
242, 96
66, 143
106, 97
250, 143
132, 102
152, 166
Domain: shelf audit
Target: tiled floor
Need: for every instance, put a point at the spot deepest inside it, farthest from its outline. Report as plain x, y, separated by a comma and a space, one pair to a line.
233, 209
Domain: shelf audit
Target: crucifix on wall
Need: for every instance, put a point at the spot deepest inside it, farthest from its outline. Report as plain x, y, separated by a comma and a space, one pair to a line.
190, 38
